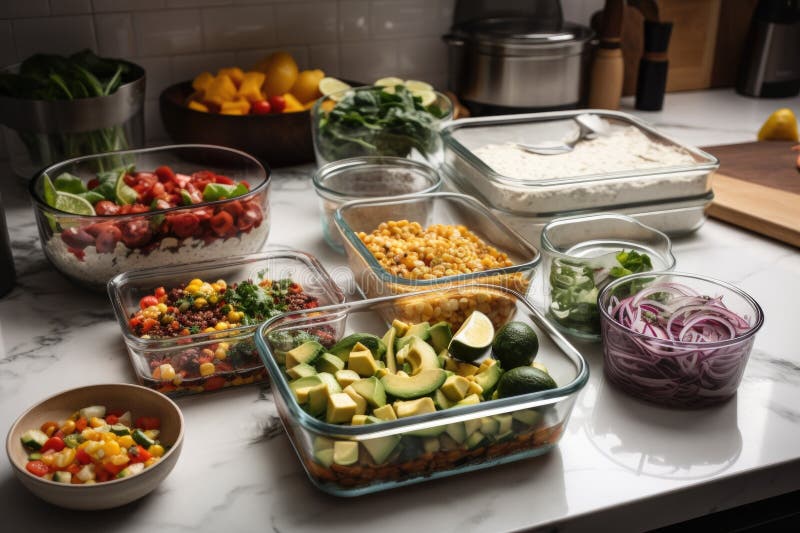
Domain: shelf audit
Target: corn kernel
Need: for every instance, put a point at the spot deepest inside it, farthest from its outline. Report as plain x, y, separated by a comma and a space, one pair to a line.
126, 441
199, 303
49, 459
162, 308
64, 457
206, 369
119, 459
166, 372
150, 462
96, 422
93, 446
156, 450
68, 428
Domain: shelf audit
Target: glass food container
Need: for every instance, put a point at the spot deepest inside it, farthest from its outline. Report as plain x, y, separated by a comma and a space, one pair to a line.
572, 183
364, 177
374, 280
699, 335
432, 445
403, 133
585, 253
158, 237
240, 364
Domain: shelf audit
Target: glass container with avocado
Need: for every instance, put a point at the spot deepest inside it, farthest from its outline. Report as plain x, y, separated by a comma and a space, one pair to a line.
394, 402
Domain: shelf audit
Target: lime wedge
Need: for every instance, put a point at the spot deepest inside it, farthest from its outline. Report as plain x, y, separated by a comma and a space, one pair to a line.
72, 203
49, 191
331, 85
418, 86
473, 338
124, 193
428, 97
389, 82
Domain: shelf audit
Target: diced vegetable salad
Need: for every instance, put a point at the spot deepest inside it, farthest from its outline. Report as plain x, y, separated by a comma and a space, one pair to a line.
93, 445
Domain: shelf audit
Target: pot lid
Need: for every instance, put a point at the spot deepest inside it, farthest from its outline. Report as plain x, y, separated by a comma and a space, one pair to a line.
523, 32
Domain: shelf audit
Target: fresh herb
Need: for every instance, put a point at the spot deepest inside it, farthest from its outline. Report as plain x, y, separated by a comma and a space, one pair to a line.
259, 302
376, 122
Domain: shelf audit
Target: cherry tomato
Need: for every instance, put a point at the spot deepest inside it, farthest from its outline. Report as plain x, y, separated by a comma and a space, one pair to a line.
221, 223
278, 103
159, 292
184, 224
165, 173
82, 457
214, 383
107, 239
146, 302
53, 443
37, 468
234, 208
136, 233
223, 179
251, 216
262, 107
106, 207
148, 422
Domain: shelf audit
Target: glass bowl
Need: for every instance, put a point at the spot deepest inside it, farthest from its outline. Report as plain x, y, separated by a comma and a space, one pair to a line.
420, 447
365, 177
373, 280
408, 134
243, 366
582, 255
676, 373
159, 237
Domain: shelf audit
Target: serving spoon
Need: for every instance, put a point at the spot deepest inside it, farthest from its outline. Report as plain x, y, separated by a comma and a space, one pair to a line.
589, 127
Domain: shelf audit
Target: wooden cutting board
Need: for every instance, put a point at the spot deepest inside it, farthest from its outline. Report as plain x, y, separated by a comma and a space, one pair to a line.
757, 187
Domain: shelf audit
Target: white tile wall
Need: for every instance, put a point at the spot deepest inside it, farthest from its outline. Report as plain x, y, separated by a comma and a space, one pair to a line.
174, 40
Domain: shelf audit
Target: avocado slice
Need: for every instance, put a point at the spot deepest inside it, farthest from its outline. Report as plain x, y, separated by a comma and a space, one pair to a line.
420, 356
303, 370
361, 361
421, 384
384, 412
420, 406
431, 444
472, 399
441, 400
343, 348
476, 440
441, 335
399, 327
421, 330
327, 362
305, 353
301, 386
372, 390
346, 377
487, 377
318, 399
455, 388
381, 448
330, 381
345, 452
471, 426
504, 423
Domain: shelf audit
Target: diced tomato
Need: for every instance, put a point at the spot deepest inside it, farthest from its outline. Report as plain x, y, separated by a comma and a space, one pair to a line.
136, 233
162, 204
93, 183
250, 217
214, 383
223, 179
234, 208
106, 207
107, 239
165, 174
182, 180
53, 443
139, 208
148, 324
73, 469
77, 238
129, 179
82, 457
112, 469
81, 423
140, 455
37, 468
111, 419
221, 223
148, 422
101, 475
203, 213
184, 224
148, 301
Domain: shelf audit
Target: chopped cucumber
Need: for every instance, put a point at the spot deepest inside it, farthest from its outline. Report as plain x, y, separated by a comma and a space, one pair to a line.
120, 430
34, 439
98, 411
131, 470
62, 477
142, 439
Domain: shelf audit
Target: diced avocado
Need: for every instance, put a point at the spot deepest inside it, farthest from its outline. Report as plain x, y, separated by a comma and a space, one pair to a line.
346, 377
441, 400
372, 390
431, 444
489, 425
471, 426
322, 443
487, 377
505, 435
381, 365
362, 362
434, 431
388, 340
472, 399
301, 386
455, 388
446, 443
529, 417
325, 457
404, 409
410, 387
441, 335
474, 388
330, 381
466, 369
374, 420
421, 330
359, 420
341, 408
305, 353
399, 327
381, 448
385, 412
317, 399
421, 356
303, 370
504, 422
345, 452
476, 440
343, 348
33, 439
457, 431
361, 403
327, 362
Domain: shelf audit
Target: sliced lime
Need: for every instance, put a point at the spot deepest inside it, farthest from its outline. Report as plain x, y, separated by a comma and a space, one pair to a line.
473, 338
72, 203
418, 86
124, 193
49, 191
428, 97
329, 86
389, 82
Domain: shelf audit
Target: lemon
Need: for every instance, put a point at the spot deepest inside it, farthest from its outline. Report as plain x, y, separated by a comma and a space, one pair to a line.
329, 86
306, 88
124, 193
389, 82
473, 338
418, 86
428, 97
72, 203
281, 73
780, 126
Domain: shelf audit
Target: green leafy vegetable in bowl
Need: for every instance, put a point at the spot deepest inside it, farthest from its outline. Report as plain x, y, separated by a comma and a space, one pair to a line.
575, 285
389, 121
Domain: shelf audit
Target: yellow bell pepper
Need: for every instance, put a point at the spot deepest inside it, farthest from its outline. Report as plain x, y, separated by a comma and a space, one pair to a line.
234, 73
240, 106
220, 90
197, 106
293, 105
202, 81
250, 89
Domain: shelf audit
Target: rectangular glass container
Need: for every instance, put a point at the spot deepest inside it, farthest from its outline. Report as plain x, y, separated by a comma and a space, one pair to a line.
125, 291
374, 280
414, 449
648, 189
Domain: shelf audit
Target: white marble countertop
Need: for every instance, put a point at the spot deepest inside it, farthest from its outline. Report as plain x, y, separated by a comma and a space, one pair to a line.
621, 463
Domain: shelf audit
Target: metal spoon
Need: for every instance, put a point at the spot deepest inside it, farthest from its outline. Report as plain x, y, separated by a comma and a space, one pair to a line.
589, 126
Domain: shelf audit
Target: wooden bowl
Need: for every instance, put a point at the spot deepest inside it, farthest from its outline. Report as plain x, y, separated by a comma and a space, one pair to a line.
140, 401
278, 140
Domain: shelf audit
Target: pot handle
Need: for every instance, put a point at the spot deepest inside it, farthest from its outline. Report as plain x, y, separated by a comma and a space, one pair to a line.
452, 40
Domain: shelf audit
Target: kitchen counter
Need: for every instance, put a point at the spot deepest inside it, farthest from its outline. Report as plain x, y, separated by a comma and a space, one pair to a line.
621, 462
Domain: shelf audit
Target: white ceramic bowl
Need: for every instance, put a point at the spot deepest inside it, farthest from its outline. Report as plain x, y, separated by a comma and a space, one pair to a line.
141, 401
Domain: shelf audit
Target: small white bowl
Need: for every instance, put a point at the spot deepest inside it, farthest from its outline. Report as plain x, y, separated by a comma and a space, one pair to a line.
141, 401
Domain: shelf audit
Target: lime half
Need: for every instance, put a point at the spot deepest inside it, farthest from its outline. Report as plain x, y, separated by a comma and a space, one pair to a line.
49, 191
473, 338
124, 193
72, 203
329, 86
389, 82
